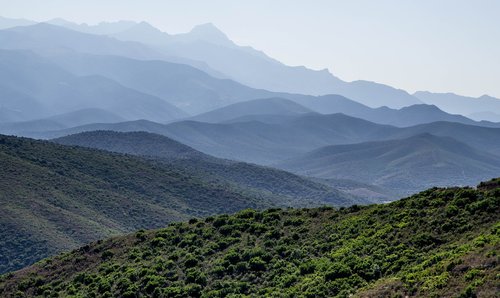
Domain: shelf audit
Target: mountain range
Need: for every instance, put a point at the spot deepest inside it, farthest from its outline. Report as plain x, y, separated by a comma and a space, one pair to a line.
274, 131
217, 56
247, 65
277, 109
191, 85
184, 86
481, 108
268, 110
267, 142
180, 85
210, 50
259, 179
406, 116
253, 141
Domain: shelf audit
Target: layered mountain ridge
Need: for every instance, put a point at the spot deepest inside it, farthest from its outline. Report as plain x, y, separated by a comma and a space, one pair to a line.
257, 178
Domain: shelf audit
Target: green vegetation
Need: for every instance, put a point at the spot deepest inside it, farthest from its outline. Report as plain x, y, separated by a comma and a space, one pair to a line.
438, 243
55, 198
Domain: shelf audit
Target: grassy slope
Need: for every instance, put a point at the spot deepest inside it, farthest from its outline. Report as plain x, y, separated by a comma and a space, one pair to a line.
55, 198
439, 243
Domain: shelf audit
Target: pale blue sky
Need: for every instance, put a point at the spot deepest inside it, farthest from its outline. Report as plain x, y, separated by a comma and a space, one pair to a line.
436, 45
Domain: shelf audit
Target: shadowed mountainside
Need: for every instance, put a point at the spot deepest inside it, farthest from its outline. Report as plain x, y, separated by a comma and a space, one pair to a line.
270, 142
406, 165
297, 190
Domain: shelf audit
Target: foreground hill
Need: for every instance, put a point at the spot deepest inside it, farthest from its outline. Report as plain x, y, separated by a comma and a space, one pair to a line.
405, 165
438, 243
56, 197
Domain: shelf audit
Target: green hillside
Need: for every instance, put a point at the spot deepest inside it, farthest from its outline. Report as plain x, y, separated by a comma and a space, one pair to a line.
438, 243
286, 188
55, 198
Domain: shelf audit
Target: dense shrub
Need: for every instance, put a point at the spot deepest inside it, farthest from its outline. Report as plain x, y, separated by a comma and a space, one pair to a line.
427, 245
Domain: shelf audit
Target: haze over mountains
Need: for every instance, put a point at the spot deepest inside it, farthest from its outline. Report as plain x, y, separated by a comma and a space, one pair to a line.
406, 116
207, 48
192, 44
272, 138
117, 127
199, 88
181, 85
441, 153
251, 67
37, 88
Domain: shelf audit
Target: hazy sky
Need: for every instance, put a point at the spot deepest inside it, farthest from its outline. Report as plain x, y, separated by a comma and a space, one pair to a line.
437, 45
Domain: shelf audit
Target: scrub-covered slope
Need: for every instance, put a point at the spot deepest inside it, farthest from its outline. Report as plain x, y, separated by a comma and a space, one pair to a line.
438, 243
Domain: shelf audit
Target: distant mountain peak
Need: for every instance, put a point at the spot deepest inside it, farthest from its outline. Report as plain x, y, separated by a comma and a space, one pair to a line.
61, 21
127, 22
210, 33
147, 29
207, 27
422, 107
43, 26
102, 28
147, 25
487, 97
